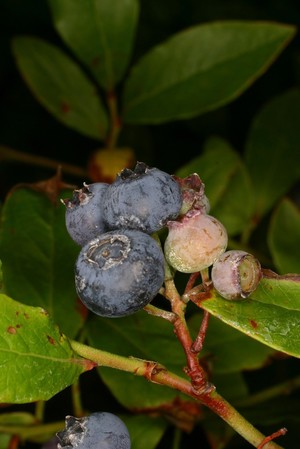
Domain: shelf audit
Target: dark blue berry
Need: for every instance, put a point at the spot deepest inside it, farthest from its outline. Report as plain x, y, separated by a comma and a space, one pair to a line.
84, 217
143, 199
119, 272
101, 430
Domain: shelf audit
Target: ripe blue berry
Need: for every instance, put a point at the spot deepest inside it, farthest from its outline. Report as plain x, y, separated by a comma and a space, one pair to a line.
119, 272
101, 430
143, 199
84, 218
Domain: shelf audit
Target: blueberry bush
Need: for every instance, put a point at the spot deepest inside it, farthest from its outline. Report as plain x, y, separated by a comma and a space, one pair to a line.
150, 286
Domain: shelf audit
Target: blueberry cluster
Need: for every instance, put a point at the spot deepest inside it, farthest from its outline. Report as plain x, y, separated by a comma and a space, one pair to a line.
120, 267
100, 430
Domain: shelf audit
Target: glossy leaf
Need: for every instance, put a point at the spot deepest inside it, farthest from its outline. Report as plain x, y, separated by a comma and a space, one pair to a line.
60, 85
270, 315
200, 69
284, 237
143, 336
38, 256
36, 357
227, 183
228, 350
100, 32
272, 150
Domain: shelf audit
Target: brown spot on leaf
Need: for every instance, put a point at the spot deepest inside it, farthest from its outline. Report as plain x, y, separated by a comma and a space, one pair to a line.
26, 315
65, 107
254, 324
11, 330
51, 340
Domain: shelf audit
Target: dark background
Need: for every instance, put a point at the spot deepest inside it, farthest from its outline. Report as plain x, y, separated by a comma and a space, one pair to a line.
26, 126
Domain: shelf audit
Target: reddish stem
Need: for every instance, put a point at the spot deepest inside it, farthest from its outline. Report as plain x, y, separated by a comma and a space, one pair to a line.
191, 282
272, 437
199, 341
14, 442
193, 370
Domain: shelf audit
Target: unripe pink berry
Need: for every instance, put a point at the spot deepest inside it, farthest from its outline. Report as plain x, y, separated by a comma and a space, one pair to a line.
194, 242
236, 274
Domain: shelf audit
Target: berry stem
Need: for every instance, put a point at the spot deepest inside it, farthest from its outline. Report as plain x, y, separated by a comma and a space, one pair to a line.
156, 373
152, 310
191, 282
199, 341
193, 369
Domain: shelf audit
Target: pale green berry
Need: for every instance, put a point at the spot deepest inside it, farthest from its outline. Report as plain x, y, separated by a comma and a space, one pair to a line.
195, 242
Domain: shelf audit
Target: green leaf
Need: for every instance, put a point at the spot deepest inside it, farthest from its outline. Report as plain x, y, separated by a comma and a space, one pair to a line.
272, 150
142, 336
4, 441
215, 166
270, 315
227, 183
60, 86
100, 32
38, 256
17, 418
36, 358
200, 69
145, 432
228, 350
284, 237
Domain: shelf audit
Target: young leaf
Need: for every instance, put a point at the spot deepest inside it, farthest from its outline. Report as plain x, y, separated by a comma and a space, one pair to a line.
60, 86
100, 33
201, 69
272, 150
37, 357
38, 256
270, 315
284, 237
